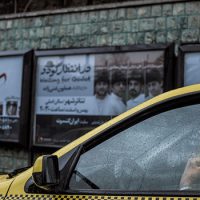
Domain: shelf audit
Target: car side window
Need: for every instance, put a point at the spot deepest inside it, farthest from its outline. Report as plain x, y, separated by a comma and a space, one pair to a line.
149, 156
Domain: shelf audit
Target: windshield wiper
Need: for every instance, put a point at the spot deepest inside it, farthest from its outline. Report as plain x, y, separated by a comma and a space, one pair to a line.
3, 173
17, 171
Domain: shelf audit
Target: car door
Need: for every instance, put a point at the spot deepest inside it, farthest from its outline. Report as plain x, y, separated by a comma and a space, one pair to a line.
142, 156
145, 154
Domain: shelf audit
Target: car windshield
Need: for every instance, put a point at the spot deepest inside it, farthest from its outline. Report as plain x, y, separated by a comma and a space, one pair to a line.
149, 156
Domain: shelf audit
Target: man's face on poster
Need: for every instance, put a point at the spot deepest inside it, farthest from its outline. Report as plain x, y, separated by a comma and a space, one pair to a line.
134, 88
11, 108
118, 88
154, 88
101, 89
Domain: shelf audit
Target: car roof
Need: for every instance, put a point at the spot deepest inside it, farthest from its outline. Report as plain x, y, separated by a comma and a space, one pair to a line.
165, 96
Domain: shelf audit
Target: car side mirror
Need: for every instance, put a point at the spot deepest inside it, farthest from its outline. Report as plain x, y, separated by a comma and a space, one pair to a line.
46, 172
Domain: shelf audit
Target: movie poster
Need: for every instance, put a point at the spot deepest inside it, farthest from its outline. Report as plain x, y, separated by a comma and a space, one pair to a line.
11, 69
76, 93
191, 68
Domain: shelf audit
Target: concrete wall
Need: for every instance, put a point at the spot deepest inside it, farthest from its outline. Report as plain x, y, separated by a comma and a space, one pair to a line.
97, 26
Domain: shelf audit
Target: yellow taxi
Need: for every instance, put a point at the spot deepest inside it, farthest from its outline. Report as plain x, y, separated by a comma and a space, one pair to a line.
149, 152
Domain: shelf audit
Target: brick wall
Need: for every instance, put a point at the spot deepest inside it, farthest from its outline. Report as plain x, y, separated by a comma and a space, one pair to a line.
97, 26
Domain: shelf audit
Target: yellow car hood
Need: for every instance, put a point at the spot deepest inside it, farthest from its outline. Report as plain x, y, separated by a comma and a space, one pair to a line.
5, 183
3, 177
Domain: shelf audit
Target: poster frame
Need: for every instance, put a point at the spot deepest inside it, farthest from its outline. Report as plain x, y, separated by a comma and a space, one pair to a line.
184, 48
168, 80
25, 100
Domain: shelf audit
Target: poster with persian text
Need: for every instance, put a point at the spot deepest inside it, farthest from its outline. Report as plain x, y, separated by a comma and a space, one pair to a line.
11, 70
76, 93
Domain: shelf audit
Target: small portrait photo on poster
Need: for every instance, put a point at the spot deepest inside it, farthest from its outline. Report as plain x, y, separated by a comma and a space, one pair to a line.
154, 82
100, 103
135, 88
118, 91
11, 107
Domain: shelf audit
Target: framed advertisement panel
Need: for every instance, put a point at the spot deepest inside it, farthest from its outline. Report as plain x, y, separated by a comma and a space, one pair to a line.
188, 64
15, 79
76, 90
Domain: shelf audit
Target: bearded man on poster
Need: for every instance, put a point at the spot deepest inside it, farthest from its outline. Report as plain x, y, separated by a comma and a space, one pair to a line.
101, 100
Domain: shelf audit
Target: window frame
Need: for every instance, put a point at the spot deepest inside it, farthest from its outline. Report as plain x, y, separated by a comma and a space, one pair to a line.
131, 120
